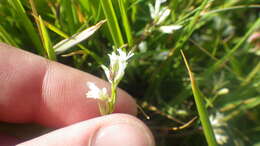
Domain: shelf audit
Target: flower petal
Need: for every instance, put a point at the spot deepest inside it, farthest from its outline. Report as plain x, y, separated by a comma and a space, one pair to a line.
152, 11
163, 14
169, 28
107, 72
96, 93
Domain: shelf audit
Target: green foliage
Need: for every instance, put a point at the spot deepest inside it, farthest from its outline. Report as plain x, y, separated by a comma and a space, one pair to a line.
201, 107
24, 21
213, 36
113, 25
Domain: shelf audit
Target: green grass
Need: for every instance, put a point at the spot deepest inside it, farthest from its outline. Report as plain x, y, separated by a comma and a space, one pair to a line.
214, 38
201, 107
113, 25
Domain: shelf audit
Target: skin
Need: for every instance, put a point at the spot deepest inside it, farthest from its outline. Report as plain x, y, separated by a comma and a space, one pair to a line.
36, 90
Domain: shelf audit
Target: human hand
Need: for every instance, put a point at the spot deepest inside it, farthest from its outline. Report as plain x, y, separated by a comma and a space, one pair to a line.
33, 89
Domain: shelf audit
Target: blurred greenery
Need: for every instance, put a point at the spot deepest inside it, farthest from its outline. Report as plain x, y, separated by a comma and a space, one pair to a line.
213, 37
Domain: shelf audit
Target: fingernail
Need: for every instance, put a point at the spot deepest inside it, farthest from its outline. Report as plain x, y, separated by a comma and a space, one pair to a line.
122, 134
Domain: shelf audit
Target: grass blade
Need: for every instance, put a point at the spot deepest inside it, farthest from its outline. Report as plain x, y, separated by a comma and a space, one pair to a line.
126, 24
68, 13
251, 75
201, 107
188, 31
64, 45
26, 24
46, 41
64, 35
6, 37
112, 22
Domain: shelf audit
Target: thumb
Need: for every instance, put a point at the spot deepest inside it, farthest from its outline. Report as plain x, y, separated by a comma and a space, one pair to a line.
110, 130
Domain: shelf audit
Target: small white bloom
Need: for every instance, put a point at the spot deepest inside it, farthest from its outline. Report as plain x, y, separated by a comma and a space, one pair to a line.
223, 91
163, 14
221, 138
143, 47
96, 93
152, 11
158, 5
157, 13
217, 120
169, 28
118, 63
218, 124
107, 72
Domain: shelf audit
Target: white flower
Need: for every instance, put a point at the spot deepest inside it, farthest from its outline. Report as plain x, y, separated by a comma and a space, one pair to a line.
218, 124
143, 47
118, 63
157, 13
217, 120
221, 138
96, 93
223, 91
163, 14
169, 28
158, 5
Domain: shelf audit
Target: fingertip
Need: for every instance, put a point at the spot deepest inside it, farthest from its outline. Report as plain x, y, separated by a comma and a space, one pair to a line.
114, 129
131, 132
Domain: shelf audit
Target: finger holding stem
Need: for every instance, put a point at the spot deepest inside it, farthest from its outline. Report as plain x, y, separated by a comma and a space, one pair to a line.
114, 74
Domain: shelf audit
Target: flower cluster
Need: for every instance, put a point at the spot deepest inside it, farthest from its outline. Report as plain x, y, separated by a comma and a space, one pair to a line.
114, 74
159, 15
96, 93
118, 63
218, 123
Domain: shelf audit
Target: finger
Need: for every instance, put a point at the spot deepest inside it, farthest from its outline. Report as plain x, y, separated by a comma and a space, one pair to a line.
111, 130
33, 89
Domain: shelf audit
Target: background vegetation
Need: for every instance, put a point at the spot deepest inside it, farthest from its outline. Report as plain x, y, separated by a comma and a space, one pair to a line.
212, 34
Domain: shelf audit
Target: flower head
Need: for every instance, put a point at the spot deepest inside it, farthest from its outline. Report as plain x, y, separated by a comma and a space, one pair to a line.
157, 13
114, 73
223, 91
217, 120
218, 123
96, 93
118, 63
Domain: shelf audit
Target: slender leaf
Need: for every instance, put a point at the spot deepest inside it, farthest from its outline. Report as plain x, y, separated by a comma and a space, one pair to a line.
26, 24
201, 107
64, 45
126, 24
5, 36
64, 35
46, 41
112, 22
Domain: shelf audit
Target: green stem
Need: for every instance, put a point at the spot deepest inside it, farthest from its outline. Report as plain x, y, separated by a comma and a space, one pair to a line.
113, 98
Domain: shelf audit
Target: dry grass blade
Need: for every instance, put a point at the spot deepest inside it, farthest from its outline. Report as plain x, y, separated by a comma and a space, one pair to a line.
65, 44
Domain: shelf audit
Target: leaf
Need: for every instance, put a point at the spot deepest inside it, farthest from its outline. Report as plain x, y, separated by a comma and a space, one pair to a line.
65, 44
26, 23
125, 22
46, 40
201, 107
112, 21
